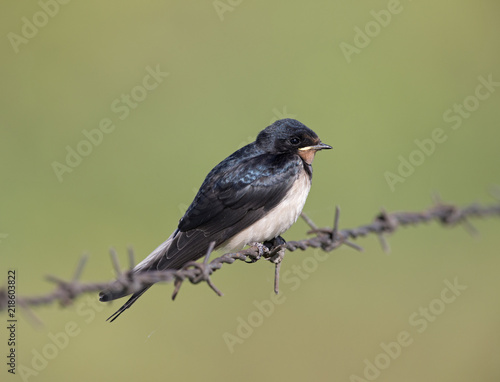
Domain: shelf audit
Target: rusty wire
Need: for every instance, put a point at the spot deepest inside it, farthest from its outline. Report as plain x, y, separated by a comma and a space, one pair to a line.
327, 239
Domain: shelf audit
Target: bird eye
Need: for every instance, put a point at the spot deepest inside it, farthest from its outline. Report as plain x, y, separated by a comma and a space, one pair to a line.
294, 140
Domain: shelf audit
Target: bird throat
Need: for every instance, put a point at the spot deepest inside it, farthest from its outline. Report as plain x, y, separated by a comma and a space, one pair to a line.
307, 156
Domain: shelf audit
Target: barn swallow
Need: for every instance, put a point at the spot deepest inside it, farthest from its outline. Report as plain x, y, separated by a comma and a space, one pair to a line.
252, 196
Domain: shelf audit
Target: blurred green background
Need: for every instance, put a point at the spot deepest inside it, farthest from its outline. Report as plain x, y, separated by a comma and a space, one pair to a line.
233, 67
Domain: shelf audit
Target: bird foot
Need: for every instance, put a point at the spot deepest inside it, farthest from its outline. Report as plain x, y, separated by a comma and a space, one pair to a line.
273, 250
276, 242
262, 250
276, 249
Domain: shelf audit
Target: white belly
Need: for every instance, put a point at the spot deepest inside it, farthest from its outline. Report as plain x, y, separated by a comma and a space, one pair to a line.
278, 220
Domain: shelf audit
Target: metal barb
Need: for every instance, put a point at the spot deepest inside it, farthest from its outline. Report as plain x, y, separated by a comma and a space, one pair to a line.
177, 287
277, 268
211, 247
470, 228
131, 260
495, 192
79, 268
35, 320
114, 260
214, 288
308, 221
335, 232
353, 245
383, 243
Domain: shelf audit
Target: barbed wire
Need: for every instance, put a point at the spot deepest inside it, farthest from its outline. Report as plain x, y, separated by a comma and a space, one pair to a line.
327, 239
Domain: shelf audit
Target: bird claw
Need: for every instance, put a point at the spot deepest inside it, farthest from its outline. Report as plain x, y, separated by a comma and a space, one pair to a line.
273, 250
276, 242
262, 250
278, 255
276, 249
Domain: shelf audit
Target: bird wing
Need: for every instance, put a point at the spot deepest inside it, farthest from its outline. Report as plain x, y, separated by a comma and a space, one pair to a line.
231, 199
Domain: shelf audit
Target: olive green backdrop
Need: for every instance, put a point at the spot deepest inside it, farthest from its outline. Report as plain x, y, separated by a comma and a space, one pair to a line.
371, 78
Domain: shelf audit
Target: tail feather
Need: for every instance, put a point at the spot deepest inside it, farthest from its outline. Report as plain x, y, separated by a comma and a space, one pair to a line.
148, 263
128, 304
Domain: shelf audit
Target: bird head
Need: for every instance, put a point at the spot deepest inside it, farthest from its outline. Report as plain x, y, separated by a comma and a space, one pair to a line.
290, 136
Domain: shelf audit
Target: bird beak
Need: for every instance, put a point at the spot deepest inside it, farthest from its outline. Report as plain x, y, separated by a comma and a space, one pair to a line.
320, 146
